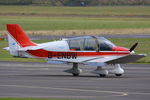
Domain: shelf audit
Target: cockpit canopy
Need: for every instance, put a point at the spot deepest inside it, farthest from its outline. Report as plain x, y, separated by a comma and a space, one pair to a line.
90, 43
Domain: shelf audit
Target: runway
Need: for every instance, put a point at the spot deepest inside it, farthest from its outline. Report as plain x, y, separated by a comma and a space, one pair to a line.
41, 80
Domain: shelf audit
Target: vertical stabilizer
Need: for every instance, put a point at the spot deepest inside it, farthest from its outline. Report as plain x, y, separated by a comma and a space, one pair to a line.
17, 39
19, 36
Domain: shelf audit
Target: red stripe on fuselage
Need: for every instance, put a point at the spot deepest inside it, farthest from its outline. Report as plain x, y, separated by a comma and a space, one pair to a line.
45, 54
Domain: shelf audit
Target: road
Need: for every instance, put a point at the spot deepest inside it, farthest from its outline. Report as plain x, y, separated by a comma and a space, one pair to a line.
40, 80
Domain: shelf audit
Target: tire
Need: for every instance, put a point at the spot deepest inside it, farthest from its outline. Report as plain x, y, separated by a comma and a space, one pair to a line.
118, 75
102, 75
75, 74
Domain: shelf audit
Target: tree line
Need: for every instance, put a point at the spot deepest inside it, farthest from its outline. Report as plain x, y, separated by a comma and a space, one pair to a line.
75, 2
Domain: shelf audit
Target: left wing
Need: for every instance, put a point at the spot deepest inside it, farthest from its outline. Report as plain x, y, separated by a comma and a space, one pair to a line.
115, 60
101, 60
126, 59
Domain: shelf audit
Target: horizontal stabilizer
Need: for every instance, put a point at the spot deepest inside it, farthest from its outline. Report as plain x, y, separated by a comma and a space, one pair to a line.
33, 48
6, 48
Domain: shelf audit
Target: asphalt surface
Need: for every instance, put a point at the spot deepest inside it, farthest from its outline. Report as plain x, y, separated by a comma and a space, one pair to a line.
40, 80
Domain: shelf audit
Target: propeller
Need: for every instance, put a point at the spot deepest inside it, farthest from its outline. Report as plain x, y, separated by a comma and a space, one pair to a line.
133, 47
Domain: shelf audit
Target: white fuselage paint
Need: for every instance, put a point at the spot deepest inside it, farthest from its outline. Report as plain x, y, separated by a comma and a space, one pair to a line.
61, 45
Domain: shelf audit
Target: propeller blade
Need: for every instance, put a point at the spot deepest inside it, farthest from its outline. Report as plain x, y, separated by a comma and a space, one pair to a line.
133, 47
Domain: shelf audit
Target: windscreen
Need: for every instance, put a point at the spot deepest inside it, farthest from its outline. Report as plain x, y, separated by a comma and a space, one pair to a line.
90, 43
105, 45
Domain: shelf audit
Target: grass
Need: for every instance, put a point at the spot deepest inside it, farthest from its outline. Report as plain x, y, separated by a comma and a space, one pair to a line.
48, 23
143, 48
37, 22
101, 10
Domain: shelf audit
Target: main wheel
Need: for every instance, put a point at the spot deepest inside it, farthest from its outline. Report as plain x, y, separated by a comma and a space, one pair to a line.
102, 75
74, 74
118, 74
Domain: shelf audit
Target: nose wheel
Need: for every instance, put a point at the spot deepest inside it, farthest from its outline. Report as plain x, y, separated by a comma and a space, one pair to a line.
117, 70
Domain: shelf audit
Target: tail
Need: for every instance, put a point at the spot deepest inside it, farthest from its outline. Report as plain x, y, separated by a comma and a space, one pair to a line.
17, 39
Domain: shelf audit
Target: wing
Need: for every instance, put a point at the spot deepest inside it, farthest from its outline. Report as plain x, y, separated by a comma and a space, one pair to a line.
115, 60
101, 60
127, 59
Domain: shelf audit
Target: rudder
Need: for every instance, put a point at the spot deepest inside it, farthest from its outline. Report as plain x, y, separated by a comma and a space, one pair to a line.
17, 39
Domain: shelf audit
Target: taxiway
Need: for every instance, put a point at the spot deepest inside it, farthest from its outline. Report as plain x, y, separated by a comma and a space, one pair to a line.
40, 80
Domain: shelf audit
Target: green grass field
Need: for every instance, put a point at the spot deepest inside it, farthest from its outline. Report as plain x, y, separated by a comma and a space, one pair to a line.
46, 23
60, 22
101, 10
143, 48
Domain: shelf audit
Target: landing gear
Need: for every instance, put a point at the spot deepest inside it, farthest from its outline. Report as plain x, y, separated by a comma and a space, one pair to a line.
74, 70
102, 72
117, 70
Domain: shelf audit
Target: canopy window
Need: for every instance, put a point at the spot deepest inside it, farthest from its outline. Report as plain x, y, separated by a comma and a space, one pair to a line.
90, 43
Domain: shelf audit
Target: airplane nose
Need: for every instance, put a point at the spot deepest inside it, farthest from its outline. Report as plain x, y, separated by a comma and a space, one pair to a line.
118, 48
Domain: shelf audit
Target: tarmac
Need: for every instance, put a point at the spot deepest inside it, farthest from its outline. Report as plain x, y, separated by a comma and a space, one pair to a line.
41, 80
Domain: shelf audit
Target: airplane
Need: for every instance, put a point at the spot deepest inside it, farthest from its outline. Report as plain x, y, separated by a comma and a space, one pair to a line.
87, 50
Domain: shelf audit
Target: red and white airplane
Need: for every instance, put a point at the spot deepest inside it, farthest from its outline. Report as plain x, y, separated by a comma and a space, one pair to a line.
88, 50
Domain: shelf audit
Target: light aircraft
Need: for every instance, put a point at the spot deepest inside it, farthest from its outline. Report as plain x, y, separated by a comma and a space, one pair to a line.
87, 50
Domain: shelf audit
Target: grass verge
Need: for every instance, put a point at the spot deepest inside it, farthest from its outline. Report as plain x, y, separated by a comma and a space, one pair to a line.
101, 10
46, 23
